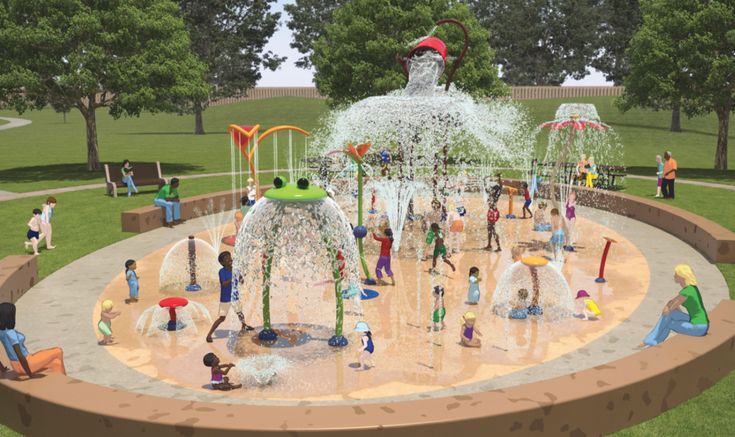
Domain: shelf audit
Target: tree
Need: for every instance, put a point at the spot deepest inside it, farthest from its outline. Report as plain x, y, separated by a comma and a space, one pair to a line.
229, 37
620, 19
308, 19
684, 54
356, 57
539, 42
126, 55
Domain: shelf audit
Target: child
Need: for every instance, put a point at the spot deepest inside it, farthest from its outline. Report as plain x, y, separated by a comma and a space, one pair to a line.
519, 310
527, 202
468, 330
493, 215
456, 227
436, 235
386, 243
34, 231
497, 189
252, 192
539, 220
557, 233
367, 347
225, 296
105, 323
473, 294
659, 174
47, 211
586, 307
439, 310
571, 218
219, 381
132, 278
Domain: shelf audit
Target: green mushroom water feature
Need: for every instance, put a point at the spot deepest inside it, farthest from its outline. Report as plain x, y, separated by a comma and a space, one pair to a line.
293, 242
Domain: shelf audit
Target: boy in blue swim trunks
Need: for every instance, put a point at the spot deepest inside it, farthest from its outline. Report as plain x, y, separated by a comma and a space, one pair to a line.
225, 299
527, 202
557, 233
34, 231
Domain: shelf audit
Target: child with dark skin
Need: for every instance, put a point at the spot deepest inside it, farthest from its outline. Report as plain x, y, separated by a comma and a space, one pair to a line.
219, 381
527, 201
439, 248
225, 276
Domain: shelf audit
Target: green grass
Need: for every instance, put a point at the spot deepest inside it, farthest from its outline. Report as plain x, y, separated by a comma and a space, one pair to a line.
50, 153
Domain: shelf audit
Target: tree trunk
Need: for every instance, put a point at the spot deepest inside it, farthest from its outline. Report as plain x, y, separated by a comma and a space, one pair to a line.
676, 116
723, 121
198, 121
93, 155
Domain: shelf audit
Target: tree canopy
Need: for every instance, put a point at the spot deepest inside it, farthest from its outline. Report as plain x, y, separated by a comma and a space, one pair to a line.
539, 42
129, 56
229, 37
307, 21
356, 57
685, 52
619, 20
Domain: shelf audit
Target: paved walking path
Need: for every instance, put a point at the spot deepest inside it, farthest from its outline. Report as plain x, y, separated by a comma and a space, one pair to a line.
687, 182
58, 311
13, 122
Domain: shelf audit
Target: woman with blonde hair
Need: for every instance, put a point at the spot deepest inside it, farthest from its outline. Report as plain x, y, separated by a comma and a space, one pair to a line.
694, 322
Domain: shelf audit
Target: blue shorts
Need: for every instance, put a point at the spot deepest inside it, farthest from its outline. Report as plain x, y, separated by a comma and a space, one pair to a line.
558, 238
32, 234
527, 203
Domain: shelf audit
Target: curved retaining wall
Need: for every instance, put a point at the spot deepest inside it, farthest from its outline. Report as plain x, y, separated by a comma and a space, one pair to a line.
592, 402
18, 273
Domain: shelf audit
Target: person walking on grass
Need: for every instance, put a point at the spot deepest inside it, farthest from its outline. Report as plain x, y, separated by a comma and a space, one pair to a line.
659, 174
168, 199
670, 169
34, 231
47, 212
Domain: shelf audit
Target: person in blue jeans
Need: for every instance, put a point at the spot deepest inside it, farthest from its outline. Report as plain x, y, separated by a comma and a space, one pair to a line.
127, 177
168, 199
694, 322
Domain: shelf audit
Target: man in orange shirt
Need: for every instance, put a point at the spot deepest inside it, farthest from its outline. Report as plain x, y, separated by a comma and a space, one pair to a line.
670, 168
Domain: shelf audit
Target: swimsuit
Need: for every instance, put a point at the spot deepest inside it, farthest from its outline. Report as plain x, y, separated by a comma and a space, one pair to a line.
439, 315
468, 331
370, 346
104, 328
519, 313
32, 234
216, 378
558, 237
570, 212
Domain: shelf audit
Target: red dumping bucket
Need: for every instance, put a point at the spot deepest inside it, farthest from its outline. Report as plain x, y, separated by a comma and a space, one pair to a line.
433, 43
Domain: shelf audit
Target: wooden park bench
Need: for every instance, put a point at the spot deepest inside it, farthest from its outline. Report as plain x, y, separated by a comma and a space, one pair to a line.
143, 174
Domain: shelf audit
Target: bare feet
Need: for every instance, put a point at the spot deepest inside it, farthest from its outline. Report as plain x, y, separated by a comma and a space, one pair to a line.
50, 247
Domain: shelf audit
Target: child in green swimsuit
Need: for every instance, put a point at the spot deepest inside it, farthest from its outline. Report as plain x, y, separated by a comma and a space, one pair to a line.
435, 234
105, 323
439, 310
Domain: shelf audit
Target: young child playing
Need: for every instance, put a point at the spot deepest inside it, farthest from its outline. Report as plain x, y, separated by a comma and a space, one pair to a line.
439, 310
585, 307
519, 310
468, 332
435, 234
571, 219
252, 192
219, 381
456, 227
557, 234
539, 219
473, 294
365, 356
105, 323
34, 231
527, 200
225, 297
132, 279
493, 215
386, 243
47, 212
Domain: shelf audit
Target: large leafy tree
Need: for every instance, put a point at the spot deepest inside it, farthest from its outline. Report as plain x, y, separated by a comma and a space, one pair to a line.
308, 20
229, 36
541, 42
620, 19
127, 55
685, 53
356, 57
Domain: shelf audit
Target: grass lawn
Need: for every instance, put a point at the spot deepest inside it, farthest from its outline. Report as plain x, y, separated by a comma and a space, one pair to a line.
50, 153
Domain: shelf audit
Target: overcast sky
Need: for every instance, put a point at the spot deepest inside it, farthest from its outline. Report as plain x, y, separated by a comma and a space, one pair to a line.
289, 75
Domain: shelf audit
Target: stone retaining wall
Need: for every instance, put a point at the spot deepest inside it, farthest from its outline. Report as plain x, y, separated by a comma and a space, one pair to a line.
18, 273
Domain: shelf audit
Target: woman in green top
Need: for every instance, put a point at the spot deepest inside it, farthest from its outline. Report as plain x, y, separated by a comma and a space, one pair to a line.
127, 177
694, 322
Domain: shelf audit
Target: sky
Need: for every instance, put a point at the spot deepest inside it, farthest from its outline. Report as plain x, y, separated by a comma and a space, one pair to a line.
288, 75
